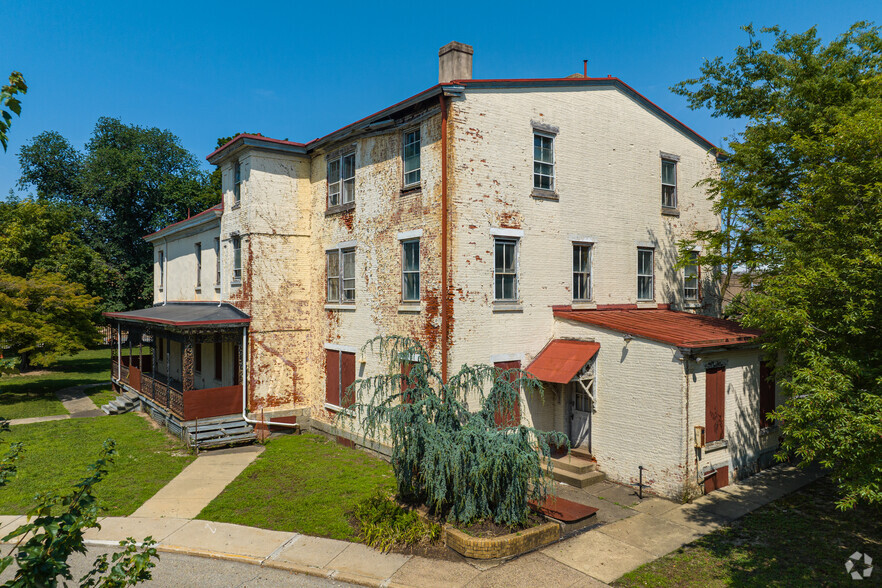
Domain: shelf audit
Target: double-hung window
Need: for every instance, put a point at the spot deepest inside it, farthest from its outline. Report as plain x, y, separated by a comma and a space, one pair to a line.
198, 251
341, 275
237, 184
505, 274
581, 271
237, 259
690, 277
161, 260
411, 158
410, 270
669, 183
543, 161
217, 262
341, 180
645, 273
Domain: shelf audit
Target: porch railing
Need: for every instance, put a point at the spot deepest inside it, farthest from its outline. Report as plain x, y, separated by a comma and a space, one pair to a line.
192, 404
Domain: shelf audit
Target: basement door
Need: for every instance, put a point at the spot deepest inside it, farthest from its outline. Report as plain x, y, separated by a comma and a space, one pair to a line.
580, 417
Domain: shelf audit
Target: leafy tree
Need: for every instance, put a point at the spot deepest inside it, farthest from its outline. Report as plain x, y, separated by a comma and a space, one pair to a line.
44, 316
129, 182
462, 464
800, 192
55, 530
9, 104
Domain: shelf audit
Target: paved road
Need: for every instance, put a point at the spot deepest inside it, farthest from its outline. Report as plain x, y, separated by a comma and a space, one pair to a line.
177, 571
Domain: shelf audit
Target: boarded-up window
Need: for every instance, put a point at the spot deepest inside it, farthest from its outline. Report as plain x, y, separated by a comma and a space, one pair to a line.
218, 361
511, 417
716, 480
339, 376
197, 357
767, 394
715, 403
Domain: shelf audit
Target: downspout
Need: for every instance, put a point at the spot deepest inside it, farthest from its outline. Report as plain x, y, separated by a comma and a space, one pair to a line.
163, 271
689, 434
445, 282
245, 389
119, 351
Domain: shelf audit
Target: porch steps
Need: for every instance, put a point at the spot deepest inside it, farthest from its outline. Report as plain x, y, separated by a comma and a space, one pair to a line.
219, 432
575, 470
125, 402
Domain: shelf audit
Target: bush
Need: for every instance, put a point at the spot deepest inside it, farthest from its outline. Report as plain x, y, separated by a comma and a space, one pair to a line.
384, 524
461, 464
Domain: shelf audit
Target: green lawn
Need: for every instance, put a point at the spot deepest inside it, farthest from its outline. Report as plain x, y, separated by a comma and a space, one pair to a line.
32, 396
56, 455
799, 540
101, 395
301, 483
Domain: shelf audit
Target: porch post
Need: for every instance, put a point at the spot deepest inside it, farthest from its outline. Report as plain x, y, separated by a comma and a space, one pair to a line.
118, 351
141, 351
153, 356
187, 364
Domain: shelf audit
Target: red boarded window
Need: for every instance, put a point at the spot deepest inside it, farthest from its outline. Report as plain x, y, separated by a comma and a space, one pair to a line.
715, 403
508, 418
339, 375
767, 394
218, 361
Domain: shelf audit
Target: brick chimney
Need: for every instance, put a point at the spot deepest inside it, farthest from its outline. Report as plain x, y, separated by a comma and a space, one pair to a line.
454, 62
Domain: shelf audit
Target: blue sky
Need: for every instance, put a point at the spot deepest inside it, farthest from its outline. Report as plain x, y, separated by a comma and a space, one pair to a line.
298, 70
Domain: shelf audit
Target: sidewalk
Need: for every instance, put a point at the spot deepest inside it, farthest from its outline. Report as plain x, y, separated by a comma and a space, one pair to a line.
590, 559
75, 402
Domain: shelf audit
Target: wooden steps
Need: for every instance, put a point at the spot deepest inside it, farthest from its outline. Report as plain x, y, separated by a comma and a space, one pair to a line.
219, 432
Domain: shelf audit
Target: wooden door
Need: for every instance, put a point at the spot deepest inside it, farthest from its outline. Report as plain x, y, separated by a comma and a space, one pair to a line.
715, 404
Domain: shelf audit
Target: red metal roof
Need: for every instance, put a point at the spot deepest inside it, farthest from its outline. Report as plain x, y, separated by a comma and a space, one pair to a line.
562, 359
259, 137
682, 329
216, 207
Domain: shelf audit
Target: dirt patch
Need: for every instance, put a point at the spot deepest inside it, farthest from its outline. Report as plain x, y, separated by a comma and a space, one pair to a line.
29, 374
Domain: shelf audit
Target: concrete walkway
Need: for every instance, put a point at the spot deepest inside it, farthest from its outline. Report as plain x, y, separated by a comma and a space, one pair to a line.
590, 559
75, 401
199, 483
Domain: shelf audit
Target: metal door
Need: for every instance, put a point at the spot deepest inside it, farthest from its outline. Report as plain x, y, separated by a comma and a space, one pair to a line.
580, 418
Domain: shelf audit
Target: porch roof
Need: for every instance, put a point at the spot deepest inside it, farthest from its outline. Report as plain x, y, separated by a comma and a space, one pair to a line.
682, 329
562, 359
186, 314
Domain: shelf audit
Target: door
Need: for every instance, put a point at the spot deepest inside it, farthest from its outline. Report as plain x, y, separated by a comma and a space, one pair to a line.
580, 418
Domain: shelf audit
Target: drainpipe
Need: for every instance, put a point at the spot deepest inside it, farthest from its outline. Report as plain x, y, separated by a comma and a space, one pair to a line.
163, 272
245, 389
690, 435
445, 282
118, 352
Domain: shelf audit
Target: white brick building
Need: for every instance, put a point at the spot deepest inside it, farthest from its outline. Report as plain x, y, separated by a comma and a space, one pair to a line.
486, 218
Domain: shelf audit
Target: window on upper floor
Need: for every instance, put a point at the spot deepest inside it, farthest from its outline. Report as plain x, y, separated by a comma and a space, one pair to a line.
690, 277
645, 273
341, 180
161, 261
217, 262
669, 183
543, 161
410, 270
411, 157
197, 249
505, 269
582, 271
237, 259
237, 184
341, 275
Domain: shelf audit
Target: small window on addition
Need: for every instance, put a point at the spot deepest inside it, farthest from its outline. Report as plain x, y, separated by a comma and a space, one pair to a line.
581, 272
669, 183
411, 158
543, 162
690, 278
410, 270
645, 274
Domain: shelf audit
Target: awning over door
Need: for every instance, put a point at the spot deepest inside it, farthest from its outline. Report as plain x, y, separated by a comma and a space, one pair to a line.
562, 359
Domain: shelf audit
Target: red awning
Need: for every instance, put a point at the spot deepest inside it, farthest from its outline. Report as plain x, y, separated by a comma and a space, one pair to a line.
562, 359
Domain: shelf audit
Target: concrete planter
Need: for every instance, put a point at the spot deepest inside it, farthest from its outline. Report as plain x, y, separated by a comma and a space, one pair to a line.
505, 546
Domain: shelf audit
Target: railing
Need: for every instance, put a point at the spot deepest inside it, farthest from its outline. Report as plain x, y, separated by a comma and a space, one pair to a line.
119, 371
163, 394
192, 404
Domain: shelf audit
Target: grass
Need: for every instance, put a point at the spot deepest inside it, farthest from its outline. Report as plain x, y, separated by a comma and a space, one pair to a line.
799, 540
101, 395
56, 454
32, 396
302, 483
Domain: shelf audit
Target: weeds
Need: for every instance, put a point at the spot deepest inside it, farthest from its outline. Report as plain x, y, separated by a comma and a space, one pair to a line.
384, 524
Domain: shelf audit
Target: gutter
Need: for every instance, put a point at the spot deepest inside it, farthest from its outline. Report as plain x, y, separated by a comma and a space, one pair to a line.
445, 279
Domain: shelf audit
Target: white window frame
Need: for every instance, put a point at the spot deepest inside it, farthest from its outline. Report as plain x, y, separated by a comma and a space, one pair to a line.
217, 261
161, 260
516, 269
673, 197
338, 188
236, 244
650, 275
693, 255
197, 249
237, 183
590, 248
405, 272
536, 175
404, 144
340, 278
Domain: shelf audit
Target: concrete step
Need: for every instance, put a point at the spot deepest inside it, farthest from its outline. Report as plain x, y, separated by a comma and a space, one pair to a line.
574, 465
581, 453
578, 480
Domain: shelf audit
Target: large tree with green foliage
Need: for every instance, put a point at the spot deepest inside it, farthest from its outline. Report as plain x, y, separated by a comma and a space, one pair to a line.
800, 193
9, 104
463, 464
129, 181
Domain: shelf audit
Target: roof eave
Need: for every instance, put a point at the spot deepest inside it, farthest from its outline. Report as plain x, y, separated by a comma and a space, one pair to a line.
241, 142
203, 218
